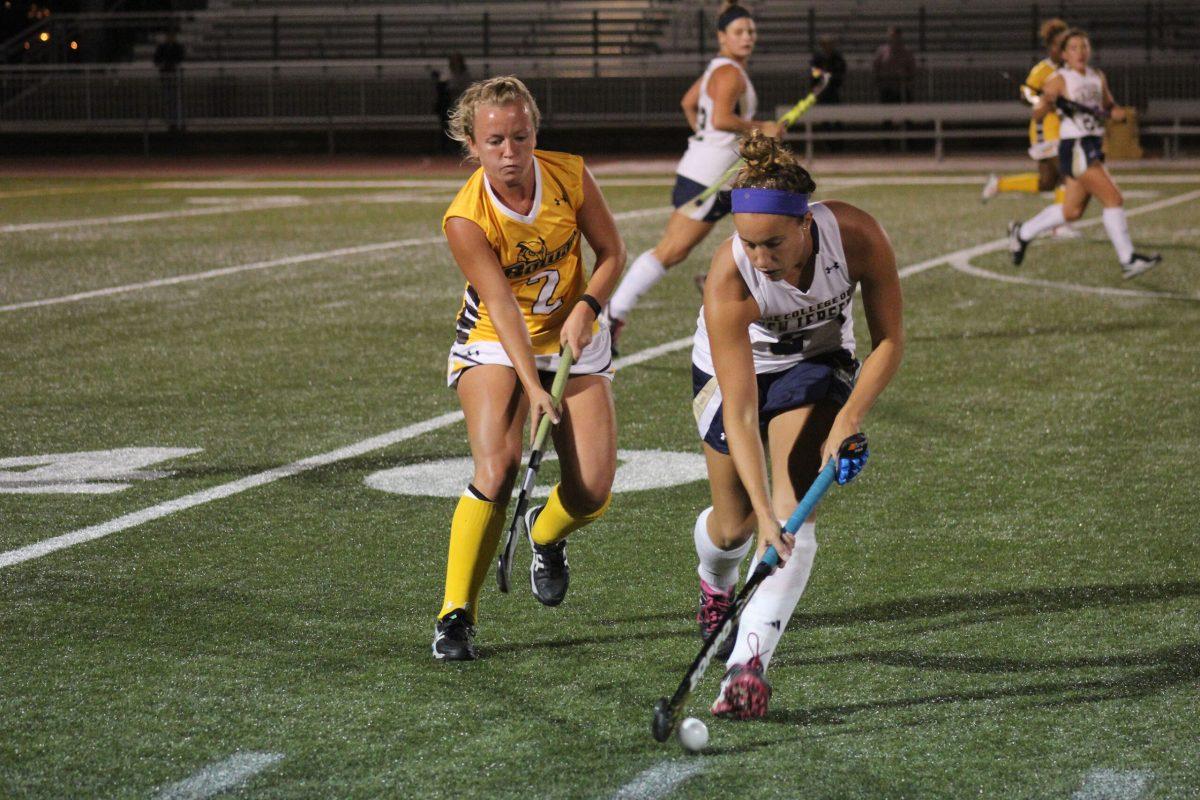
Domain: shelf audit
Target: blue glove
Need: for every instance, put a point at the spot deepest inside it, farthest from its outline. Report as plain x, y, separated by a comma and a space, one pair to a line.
851, 458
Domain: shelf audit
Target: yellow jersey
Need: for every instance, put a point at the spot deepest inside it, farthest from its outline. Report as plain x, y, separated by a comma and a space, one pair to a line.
540, 253
1047, 129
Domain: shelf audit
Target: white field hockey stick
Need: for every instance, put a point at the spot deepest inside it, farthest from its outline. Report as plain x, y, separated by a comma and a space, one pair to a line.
505, 561
786, 121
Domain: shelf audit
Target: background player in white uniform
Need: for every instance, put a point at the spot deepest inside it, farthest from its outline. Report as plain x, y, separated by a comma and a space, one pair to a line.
1081, 156
774, 354
720, 108
1043, 133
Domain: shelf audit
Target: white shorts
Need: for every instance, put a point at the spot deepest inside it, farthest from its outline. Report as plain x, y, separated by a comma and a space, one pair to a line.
596, 358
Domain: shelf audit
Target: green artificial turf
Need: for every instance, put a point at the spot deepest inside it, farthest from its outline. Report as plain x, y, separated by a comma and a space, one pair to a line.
1005, 603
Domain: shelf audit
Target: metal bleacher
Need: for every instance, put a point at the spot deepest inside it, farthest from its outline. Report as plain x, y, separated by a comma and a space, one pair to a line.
242, 30
310, 65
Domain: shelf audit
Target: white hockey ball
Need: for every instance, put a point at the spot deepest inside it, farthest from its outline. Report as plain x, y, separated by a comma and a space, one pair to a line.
693, 734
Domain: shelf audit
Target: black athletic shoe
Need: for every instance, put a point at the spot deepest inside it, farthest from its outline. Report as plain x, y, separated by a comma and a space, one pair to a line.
452, 638
1138, 264
1016, 245
549, 574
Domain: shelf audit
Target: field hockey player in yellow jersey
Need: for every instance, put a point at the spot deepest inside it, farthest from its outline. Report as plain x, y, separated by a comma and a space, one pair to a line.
516, 230
1043, 134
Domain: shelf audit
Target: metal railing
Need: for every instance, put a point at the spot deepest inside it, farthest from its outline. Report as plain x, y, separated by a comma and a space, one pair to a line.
266, 97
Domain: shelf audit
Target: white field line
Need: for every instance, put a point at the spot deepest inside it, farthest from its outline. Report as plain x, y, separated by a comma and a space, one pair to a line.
47, 546
265, 204
168, 507
963, 265
222, 271
447, 183
660, 780
842, 182
110, 187
605, 180
219, 777
121, 219
994, 245
1110, 784
260, 265
225, 206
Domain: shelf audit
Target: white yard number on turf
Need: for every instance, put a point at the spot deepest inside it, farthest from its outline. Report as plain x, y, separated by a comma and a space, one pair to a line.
90, 472
637, 470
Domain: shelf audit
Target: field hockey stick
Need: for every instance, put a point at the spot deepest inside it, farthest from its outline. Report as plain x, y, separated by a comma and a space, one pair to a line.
667, 712
786, 121
508, 549
1062, 103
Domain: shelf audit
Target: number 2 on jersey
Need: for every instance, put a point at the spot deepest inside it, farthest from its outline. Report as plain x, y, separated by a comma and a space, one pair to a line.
543, 305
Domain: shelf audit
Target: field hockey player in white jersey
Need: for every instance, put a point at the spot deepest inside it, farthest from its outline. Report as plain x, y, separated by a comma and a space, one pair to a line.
774, 359
720, 108
1081, 95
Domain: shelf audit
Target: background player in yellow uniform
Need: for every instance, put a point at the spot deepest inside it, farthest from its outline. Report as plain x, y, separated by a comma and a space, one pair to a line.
1043, 135
515, 230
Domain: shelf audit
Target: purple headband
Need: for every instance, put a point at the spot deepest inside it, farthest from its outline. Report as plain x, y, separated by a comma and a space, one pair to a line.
769, 201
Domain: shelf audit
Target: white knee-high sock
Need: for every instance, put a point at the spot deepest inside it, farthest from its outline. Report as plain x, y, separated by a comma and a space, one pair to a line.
640, 278
1049, 217
766, 617
719, 568
1118, 232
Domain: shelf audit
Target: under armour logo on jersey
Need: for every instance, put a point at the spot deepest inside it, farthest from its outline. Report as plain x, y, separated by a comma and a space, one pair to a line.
832, 267
776, 624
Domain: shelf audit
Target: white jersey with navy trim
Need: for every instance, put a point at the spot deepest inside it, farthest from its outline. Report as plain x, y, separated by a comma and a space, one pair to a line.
1088, 89
712, 151
795, 325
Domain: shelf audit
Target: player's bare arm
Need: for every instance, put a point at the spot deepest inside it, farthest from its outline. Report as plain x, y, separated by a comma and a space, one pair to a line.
1053, 89
595, 221
872, 264
725, 87
691, 104
1115, 112
728, 311
482, 269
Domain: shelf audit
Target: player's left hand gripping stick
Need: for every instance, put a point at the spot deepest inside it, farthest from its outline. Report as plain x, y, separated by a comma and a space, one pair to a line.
851, 458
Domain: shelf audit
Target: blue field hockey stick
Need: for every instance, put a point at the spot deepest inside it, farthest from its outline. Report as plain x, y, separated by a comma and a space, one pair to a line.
667, 712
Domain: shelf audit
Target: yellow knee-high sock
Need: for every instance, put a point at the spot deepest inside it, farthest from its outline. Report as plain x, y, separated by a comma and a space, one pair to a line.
555, 522
1060, 194
1025, 182
474, 534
